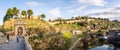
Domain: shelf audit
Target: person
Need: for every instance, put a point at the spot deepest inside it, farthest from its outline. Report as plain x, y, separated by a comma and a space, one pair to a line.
7, 41
17, 38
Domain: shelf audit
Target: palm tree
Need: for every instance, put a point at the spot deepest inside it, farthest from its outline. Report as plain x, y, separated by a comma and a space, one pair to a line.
15, 12
29, 12
24, 13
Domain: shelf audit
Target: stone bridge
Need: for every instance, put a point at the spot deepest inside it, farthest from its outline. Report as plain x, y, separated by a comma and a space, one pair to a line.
14, 45
23, 44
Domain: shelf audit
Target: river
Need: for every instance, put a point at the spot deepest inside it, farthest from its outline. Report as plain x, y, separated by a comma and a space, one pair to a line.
104, 47
95, 44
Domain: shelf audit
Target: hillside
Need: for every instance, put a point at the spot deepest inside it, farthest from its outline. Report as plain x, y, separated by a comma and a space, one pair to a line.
85, 25
93, 25
64, 39
32, 25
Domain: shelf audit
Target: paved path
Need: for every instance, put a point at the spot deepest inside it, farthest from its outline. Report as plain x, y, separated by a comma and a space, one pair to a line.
2, 40
13, 45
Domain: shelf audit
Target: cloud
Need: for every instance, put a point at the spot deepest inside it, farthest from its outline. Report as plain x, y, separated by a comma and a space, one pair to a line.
81, 0
111, 13
55, 12
93, 2
33, 3
106, 13
117, 9
78, 9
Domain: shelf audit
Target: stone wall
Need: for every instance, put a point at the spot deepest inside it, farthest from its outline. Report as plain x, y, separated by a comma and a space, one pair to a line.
27, 45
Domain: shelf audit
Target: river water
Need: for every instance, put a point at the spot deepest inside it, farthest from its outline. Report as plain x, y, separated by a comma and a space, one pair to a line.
96, 44
104, 47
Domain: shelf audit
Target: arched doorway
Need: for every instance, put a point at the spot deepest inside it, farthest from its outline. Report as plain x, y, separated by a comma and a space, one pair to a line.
20, 28
20, 31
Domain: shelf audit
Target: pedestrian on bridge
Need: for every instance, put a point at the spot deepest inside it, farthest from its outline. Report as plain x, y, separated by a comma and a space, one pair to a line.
7, 41
17, 38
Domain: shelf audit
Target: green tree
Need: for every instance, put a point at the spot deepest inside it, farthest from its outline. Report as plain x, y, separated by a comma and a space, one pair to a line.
50, 20
72, 18
115, 21
9, 13
94, 25
24, 13
15, 12
5, 18
29, 12
43, 16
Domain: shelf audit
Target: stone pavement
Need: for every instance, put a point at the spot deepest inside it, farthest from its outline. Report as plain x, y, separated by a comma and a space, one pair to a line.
13, 45
2, 40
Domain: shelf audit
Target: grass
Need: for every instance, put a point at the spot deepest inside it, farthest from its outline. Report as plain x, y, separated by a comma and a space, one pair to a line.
67, 35
68, 26
30, 23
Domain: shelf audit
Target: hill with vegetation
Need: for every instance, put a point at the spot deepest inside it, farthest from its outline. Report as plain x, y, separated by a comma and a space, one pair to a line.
49, 34
32, 25
85, 24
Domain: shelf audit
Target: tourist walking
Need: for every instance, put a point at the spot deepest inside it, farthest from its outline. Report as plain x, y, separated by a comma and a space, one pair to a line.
7, 41
17, 38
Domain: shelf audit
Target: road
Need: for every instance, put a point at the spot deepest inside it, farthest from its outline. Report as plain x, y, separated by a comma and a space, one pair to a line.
74, 44
13, 45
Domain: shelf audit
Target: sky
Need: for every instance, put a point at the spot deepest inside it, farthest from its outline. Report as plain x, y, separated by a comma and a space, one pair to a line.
65, 8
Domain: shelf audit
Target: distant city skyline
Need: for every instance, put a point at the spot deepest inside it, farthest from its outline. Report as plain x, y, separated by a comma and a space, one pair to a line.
65, 8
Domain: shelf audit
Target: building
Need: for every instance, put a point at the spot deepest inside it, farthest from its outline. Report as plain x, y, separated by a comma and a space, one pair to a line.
76, 32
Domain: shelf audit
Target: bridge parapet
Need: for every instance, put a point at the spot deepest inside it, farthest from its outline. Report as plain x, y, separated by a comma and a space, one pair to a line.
27, 45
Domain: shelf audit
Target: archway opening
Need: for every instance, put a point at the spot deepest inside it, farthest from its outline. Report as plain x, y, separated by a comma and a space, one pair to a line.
20, 31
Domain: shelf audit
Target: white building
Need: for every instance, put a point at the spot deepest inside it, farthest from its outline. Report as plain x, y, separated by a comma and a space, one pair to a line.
76, 32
